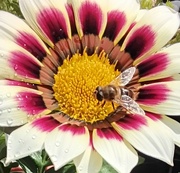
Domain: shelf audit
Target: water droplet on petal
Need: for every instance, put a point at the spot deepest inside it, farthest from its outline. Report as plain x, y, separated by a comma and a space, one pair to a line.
80, 169
33, 136
33, 112
9, 121
15, 67
66, 150
9, 141
1, 54
25, 45
29, 148
20, 140
17, 154
27, 131
54, 158
9, 110
19, 97
57, 144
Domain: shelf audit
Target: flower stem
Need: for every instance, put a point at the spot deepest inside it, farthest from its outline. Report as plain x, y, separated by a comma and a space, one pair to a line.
44, 162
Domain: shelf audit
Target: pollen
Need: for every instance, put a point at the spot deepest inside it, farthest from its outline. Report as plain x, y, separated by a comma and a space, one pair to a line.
75, 83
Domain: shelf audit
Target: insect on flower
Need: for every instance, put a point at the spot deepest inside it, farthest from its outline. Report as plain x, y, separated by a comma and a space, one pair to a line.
116, 92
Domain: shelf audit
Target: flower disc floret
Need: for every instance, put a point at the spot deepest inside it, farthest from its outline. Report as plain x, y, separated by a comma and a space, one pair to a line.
76, 82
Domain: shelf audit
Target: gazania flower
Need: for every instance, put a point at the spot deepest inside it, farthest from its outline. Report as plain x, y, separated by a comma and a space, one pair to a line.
52, 63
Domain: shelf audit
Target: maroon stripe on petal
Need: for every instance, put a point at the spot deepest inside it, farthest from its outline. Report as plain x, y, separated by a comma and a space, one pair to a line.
29, 43
132, 122
91, 18
71, 18
166, 79
30, 102
91, 140
140, 42
73, 129
153, 94
24, 65
108, 134
46, 124
115, 21
53, 24
153, 116
153, 65
131, 26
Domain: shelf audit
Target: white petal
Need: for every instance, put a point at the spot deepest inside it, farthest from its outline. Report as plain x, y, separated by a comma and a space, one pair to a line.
87, 21
24, 141
12, 116
19, 32
65, 143
174, 126
151, 33
120, 17
161, 97
16, 104
35, 13
164, 63
168, 123
140, 14
17, 63
152, 138
88, 162
119, 154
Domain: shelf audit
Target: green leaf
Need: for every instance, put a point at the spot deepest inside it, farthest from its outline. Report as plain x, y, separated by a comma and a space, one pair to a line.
176, 38
141, 160
146, 4
106, 168
11, 6
69, 168
2, 146
28, 163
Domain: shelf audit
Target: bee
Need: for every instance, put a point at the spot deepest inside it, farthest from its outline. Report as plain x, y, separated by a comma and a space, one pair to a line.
116, 92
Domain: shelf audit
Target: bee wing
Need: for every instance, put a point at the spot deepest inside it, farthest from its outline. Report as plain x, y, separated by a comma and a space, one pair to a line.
128, 103
124, 77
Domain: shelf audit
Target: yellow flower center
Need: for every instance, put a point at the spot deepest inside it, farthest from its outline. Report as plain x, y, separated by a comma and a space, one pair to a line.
76, 82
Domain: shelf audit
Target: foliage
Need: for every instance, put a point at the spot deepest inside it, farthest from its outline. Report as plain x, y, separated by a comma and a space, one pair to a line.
11, 6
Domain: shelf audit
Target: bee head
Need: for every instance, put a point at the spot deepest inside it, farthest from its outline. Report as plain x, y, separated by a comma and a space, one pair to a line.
99, 93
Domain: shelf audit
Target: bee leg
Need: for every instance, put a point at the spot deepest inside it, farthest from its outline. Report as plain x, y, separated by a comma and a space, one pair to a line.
103, 103
113, 105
